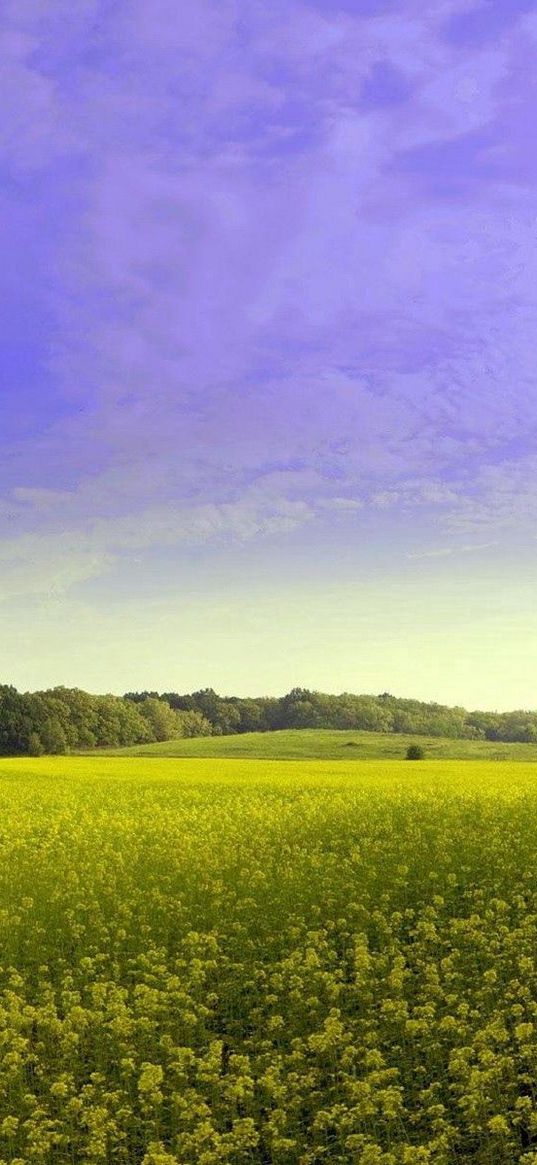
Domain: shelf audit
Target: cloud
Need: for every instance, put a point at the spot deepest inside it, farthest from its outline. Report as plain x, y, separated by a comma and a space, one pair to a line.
59, 556
290, 270
448, 551
412, 494
53, 561
343, 505
496, 498
502, 498
42, 500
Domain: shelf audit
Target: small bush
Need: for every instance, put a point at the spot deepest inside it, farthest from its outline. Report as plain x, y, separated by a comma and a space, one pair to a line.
415, 752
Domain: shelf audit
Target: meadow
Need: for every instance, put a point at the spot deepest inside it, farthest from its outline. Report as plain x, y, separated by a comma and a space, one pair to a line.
297, 963
328, 744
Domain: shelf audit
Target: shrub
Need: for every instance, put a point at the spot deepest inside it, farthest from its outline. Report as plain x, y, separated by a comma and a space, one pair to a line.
415, 752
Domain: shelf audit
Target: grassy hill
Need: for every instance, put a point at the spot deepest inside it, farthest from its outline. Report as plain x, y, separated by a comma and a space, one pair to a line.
327, 744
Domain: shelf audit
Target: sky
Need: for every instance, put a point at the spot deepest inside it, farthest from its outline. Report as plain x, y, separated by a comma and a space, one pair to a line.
268, 396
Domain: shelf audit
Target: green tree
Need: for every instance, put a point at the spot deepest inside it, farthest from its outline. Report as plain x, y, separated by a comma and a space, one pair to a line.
415, 752
193, 724
161, 720
35, 745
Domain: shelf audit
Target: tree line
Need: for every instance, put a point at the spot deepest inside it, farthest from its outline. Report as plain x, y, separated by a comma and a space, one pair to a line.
62, 720
302, 708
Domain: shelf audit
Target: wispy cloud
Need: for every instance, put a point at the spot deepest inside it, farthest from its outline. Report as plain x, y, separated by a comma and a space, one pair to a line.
449, 551
50, 562
284, 266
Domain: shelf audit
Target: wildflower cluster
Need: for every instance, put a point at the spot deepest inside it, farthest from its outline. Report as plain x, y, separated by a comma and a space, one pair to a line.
209, 962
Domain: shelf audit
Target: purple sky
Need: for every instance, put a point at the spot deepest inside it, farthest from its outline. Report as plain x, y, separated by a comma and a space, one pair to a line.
269, 406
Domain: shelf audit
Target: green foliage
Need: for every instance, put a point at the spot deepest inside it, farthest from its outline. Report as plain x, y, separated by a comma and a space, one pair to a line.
67, 719
193, 724
301, 709
161, 719
213, 963
35, 744
415, 752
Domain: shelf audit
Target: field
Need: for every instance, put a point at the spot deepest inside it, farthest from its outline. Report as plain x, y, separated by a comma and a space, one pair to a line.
327, 744
250, 962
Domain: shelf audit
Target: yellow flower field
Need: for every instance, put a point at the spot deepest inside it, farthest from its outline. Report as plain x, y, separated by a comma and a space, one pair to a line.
297, 963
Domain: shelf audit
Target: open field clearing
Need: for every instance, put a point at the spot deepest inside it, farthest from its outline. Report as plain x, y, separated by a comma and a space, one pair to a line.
329, 744
243, 962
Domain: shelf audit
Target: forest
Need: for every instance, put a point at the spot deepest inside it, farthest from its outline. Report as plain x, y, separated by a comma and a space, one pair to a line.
63, 720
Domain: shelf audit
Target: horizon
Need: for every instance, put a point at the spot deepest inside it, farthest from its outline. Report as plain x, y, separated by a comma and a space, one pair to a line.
268, 389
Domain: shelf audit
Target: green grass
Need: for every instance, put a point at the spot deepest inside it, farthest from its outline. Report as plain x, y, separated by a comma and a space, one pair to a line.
236, 962
326, 744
